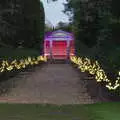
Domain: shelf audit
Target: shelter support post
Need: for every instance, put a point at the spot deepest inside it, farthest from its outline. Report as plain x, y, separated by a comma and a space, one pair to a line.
51, 50
68, 50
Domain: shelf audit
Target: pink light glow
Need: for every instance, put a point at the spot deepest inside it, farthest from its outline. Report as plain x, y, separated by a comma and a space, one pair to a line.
59, 44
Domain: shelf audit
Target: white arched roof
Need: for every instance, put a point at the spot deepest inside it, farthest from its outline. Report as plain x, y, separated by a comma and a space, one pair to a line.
59, 35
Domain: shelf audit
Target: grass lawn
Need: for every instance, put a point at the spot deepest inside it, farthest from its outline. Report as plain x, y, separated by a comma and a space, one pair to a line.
99, 111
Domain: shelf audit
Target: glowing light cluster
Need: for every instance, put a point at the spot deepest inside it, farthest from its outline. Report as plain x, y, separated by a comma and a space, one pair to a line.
85, 64
20, 64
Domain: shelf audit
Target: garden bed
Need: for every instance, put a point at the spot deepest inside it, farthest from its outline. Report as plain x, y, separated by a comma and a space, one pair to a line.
97, 90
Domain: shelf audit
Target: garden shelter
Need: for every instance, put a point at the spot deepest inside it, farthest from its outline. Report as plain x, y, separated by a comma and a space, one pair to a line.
59, 44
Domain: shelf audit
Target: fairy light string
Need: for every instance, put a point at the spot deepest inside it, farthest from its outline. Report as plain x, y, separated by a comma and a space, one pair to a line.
85, 64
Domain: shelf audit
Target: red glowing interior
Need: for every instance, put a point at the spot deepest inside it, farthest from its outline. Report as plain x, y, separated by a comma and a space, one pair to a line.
59, 49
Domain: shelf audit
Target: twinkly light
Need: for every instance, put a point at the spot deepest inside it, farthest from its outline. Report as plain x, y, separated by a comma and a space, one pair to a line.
84, 64
20, 64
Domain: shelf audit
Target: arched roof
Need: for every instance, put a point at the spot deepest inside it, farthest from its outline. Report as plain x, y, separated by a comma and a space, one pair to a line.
59, 35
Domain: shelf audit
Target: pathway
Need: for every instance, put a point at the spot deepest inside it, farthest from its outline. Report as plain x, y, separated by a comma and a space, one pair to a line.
53, 83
